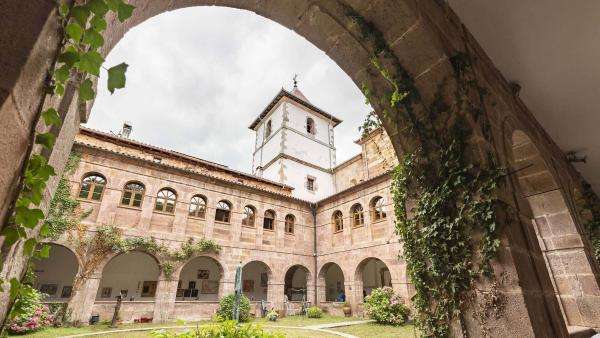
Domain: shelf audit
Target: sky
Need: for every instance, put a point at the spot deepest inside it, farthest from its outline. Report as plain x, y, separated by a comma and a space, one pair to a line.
199, 76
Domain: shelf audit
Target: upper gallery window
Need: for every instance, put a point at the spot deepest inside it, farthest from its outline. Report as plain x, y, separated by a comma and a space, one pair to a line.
133, 194
198, 206
358, 218
269, 220
248, 216
223, 212
338, 221
289, 223
165, 200
92, 187
377, 209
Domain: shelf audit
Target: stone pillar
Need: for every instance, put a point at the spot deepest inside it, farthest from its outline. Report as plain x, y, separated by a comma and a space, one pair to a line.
321, 290
146, 216
164, 300
275, 294
353, 290
84, 297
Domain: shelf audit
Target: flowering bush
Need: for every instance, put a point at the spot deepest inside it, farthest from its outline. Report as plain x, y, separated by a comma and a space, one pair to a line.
272, 316
227, 329
29, 314
314, 312
385, 307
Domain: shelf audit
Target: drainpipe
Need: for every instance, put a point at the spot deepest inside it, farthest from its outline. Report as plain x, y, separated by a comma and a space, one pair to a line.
313, 208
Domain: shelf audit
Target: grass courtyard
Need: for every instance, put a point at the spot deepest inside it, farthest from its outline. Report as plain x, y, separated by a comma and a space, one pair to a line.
367, 330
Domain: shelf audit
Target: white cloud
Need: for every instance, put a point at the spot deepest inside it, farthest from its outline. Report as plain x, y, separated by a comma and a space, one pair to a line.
198, 76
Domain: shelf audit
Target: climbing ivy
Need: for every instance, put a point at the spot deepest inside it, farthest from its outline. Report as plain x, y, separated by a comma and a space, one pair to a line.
108, 240
370, 123
443, 193
77, 64
590, 212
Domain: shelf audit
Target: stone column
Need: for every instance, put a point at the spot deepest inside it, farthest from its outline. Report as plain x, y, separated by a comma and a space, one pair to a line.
164, 300
84, 297
353, 290
146, 213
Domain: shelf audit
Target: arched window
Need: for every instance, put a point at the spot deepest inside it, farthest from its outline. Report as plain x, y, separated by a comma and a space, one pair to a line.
223, 212
310, 126
165, 201
377, 209
269, 220
133, 194
358, 218
248, 216
92, 187
338, 221
268, 129
198, 206
289, 223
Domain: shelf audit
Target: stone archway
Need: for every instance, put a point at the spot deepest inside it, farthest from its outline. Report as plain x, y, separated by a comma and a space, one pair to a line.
371, 273
331, 283
571, 270
257, 281
55, 275
296, 283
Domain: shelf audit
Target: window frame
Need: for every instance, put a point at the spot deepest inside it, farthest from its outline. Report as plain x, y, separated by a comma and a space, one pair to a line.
310, 123
166, 199
338, 216
290, 223
310, 183
358, 215
200, 208
133, 193
268, 129
249, 213
223, 208
272, 219
377, 205
92, 189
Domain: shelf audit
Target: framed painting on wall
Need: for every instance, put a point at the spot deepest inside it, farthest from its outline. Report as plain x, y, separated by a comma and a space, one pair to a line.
106, 291
66, 292
203, 274
210, 287
248, 285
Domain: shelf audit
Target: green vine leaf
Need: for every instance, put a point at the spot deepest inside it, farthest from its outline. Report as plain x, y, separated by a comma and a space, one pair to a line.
29, 246
15, 286
98, 7
11, 235
45, 230
86, 90
69, 58
116, 77
80, 14
74, 31
45, 251
93, 38
90, 62
124, 11
28, 217
51, 117
98, 23
45, 139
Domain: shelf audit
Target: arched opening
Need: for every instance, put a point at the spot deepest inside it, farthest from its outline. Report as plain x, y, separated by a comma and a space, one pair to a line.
200, 279
296, 282
54, 275
332, 278
134, 275
570, 268
256, 276
372, 273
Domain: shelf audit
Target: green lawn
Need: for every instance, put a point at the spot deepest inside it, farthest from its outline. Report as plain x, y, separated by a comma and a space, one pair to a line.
302, 321
372, 330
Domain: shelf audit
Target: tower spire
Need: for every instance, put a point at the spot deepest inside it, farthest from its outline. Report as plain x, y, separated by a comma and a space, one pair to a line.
295, 78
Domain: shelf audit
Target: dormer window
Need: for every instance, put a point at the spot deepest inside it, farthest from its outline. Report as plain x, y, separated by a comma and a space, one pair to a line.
268, 129
310, 126
310, 183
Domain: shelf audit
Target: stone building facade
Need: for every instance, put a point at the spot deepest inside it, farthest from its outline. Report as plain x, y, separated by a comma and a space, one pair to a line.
325, 252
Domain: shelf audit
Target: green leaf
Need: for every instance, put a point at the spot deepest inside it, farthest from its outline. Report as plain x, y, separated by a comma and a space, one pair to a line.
113, 5
11, 235
59, 89
62, 74
51, 117
45, 251
28, 217
98, 7
63, 9
45, 230
90, 62
98, 23
80, 14
86, 92
45, 139
74, 31
116, 77
15, 286
124, 11
69, 58
93, 38
29, 246
45, 172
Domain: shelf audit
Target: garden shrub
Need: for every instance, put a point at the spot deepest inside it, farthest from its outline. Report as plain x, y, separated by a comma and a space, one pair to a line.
227, 329
29, 314
314, 312
226, 308
272, 315
386, 307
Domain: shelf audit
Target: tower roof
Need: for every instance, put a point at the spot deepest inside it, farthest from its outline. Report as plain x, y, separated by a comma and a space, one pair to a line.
297, 96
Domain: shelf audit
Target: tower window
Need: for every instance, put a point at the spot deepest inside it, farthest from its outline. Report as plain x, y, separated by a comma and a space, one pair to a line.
268, 129
310, 183
310, 126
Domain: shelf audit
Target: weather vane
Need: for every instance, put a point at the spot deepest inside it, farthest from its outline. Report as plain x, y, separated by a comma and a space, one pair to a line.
295, 80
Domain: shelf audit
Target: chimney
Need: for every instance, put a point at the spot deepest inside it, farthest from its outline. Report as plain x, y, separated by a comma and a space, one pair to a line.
126, 131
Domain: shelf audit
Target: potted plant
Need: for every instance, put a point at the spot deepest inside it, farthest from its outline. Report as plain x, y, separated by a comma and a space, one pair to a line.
272, 316
347, 309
